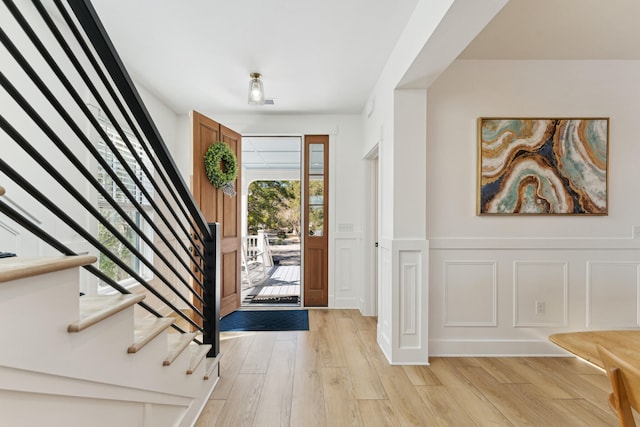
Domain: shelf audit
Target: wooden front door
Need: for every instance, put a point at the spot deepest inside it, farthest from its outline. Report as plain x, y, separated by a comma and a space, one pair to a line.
218, 207
315, 227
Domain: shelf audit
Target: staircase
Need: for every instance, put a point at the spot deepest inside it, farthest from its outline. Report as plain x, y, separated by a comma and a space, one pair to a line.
88, 171
70, 360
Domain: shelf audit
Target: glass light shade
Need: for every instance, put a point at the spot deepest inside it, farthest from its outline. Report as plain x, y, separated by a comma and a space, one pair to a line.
256, 91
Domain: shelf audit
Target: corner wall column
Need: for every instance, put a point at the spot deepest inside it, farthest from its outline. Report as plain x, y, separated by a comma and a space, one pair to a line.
403, 321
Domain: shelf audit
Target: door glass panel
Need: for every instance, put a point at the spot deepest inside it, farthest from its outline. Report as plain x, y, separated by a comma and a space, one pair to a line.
316, 190
316, 225
316, 159
316, 221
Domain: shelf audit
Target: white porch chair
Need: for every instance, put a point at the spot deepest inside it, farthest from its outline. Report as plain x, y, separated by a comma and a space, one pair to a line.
253, 264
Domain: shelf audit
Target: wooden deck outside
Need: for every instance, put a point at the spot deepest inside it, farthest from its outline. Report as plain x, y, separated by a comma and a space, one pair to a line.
281, 284
282, 281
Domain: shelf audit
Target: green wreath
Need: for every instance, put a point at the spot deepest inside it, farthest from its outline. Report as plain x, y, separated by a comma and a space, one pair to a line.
217, 156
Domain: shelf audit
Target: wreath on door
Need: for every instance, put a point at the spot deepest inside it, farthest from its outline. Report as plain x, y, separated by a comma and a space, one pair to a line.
221, 167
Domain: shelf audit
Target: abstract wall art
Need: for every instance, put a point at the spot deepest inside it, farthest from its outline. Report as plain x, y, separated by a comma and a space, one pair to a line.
542, 166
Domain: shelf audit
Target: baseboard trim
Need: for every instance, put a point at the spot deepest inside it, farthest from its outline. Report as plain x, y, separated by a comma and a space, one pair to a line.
344, 303
493, 348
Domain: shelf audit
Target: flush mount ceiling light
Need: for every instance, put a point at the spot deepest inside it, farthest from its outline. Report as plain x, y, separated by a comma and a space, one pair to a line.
256, 91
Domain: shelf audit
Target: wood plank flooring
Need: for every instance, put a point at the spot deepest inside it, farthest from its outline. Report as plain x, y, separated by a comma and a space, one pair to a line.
335, 375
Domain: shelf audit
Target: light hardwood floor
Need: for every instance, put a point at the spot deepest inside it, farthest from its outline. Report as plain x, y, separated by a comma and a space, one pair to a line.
335, 375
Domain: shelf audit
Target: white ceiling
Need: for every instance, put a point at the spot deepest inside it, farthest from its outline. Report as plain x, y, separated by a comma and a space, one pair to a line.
325, 56
561, 29
315, 56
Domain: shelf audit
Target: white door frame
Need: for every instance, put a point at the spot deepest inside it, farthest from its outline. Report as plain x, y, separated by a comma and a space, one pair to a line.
369, 304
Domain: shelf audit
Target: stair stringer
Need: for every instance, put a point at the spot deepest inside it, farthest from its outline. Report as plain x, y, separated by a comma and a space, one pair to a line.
90, 370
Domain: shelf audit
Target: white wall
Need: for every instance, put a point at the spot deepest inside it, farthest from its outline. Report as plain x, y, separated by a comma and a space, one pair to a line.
378, 115
486, 273
167, 123
436, 33
379, 124
165, 119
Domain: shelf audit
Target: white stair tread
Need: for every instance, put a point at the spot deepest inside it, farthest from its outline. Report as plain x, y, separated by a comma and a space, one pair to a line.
176, 344
212, 365
198, 354
147, 329
94, 309
14, 268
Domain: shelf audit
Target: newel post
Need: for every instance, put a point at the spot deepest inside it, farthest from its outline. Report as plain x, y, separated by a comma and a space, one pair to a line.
211, 311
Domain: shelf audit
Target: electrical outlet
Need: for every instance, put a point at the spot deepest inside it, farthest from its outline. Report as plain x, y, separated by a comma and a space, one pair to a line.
540, 307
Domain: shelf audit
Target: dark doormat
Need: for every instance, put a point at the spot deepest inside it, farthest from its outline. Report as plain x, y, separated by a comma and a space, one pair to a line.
266, 320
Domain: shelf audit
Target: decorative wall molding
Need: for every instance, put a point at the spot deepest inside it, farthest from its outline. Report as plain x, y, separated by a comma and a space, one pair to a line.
404, 300
488, 243
25, 212
13, 237
578, 289
410, 292
344, 269
345, 292
478, 306
613, 294
544, 283
9, 229
408, 297
10, 238
338, 235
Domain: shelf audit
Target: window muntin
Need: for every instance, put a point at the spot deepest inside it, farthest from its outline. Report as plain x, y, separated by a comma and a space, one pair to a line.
105, 237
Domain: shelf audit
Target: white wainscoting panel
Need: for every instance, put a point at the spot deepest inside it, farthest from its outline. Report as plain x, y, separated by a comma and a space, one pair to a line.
470, 293
24, 211
613, 290
409, 302
8, 237
403, 303
348, 284
344, 280
14, 238
540, 293
410, 263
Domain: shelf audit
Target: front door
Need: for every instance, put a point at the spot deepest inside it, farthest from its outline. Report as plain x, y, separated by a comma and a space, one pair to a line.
315, 227
218, 207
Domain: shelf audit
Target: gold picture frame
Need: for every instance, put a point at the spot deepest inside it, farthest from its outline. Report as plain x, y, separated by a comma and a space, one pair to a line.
543, 166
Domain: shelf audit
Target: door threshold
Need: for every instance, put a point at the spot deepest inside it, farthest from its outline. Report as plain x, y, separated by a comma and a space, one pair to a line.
268, 307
